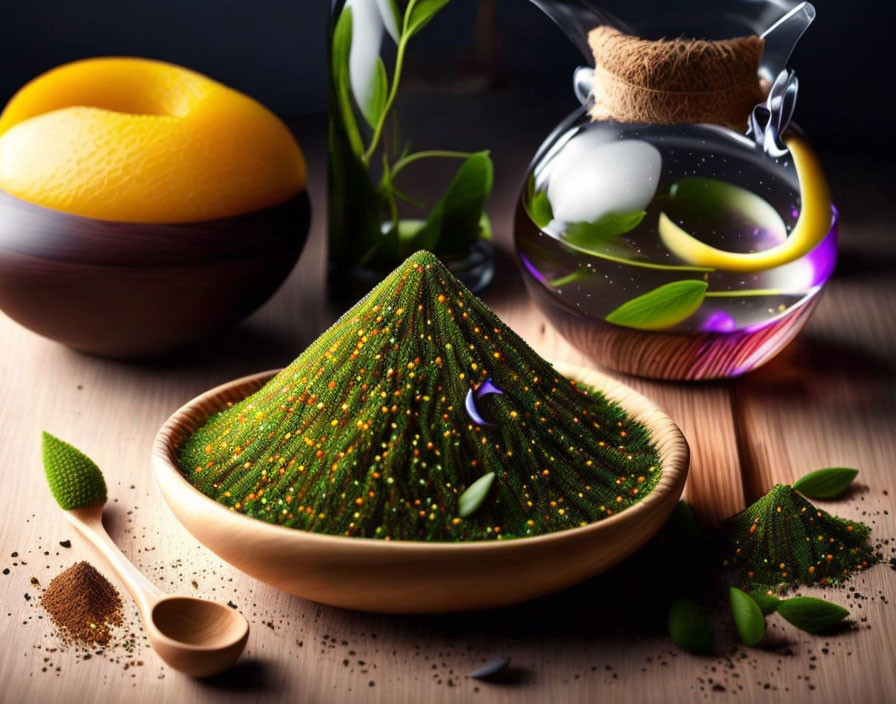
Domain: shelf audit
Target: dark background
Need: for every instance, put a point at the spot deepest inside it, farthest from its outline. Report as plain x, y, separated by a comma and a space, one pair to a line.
275, 50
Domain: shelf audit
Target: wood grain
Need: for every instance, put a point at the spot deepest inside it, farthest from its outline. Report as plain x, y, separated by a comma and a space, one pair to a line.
829, 399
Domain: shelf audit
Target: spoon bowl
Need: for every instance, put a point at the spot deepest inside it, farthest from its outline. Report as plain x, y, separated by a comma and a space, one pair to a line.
195, 636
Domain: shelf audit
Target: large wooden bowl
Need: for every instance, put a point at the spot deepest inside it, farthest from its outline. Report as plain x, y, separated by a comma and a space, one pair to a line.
409, 576
131, 290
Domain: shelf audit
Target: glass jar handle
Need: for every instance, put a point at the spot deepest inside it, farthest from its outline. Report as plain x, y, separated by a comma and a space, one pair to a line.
770, 119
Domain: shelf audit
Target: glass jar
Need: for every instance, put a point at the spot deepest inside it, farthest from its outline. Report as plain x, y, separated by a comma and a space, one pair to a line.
612, 212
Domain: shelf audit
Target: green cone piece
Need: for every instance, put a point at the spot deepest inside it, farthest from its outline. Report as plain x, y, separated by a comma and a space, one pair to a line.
74, 479
784, 538
368, 434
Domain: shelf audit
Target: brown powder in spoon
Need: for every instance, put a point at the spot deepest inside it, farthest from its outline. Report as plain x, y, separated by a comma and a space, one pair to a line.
83, 605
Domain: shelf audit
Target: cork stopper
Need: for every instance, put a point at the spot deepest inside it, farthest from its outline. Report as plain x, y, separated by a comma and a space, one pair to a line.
675, 80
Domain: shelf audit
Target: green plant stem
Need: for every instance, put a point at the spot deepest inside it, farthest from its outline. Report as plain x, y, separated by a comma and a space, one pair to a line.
428, 154
649, 265
393, 90
750, 292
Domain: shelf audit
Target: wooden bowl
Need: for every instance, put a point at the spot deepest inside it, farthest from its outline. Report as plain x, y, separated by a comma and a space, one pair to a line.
130, 290
410, 576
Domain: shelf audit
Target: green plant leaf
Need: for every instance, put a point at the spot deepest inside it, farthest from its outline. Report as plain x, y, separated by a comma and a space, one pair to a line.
422, 13
594, 237
340, 48
748, 619
683, 522
455, 222
810, 614
766, 602
537, 205
689, 627
661, 308
825, 483
474, 495
376, 102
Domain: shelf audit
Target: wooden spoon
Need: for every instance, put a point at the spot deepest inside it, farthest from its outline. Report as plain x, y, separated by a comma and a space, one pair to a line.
191, 635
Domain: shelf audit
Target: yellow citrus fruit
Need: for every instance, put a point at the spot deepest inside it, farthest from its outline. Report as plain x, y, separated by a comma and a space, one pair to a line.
136, 140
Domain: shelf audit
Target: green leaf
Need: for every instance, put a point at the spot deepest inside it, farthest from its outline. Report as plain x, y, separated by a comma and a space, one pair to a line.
455, 222
683, 521
689, 627
376, 102
810, 614
421, 13
594, 237
538, 206
475, 494
765, 601
661, 308
825, 483
748, 619
340, 48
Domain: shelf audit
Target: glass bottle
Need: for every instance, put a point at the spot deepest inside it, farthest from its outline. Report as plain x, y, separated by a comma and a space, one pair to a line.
607, 205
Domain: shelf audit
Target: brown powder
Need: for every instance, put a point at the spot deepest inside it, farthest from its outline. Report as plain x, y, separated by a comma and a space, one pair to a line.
83, 605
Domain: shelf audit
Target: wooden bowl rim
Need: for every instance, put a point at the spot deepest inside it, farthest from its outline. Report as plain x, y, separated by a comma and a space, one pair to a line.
666, 435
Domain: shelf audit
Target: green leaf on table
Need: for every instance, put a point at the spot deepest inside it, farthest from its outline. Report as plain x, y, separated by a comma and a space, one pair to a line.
421, 13
595, 237
376, 101
474, 495
766, 602
825, 483
662, 307
810, 614
339, 54
683, 522
748, 619
455, 222
689, 627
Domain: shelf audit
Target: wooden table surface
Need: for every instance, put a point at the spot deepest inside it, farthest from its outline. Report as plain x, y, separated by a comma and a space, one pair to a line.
827, 400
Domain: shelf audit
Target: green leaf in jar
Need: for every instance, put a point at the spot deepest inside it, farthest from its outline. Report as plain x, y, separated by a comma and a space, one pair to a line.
810, 614
662, 307
594, 237
689, 627
748, 619
826, 483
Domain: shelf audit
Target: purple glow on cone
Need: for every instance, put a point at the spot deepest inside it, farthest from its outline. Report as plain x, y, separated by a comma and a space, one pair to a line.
486, 388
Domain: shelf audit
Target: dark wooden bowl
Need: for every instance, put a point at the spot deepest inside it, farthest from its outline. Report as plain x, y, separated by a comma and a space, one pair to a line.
136, 290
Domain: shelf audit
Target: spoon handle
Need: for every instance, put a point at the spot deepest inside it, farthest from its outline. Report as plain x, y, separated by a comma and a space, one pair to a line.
89, 522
